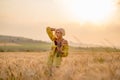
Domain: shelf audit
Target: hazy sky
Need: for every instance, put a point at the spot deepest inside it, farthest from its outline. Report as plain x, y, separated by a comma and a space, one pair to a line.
84, 20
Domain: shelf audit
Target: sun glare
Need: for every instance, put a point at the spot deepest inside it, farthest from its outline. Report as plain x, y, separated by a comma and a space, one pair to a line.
88, 10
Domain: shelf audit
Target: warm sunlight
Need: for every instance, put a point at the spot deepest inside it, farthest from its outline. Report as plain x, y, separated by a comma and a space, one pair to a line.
86, 22
88, 10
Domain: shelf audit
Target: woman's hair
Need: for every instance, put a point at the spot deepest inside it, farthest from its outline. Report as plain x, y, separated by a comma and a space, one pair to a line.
61, 30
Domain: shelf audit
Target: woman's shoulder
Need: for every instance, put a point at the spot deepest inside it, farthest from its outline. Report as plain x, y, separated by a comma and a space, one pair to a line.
65, 41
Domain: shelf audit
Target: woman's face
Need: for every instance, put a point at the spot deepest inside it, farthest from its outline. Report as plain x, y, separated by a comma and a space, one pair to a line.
58, 33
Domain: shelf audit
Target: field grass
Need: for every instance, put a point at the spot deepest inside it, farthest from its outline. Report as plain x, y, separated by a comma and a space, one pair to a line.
79, 65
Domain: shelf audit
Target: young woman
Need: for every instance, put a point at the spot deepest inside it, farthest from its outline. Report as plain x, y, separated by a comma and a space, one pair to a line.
59, 47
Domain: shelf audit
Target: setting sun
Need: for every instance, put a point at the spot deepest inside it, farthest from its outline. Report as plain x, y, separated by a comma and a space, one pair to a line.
88, 10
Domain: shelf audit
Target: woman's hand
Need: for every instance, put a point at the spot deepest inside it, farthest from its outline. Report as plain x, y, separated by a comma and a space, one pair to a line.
52, 29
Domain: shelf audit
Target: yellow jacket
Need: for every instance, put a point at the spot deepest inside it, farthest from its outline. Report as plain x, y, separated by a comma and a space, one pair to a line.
52, 37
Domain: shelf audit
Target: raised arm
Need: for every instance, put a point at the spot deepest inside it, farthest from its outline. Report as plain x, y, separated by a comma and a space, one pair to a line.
50, 33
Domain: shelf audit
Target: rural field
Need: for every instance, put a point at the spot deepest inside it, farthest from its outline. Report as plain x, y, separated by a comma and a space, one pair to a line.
79, 65
30, 29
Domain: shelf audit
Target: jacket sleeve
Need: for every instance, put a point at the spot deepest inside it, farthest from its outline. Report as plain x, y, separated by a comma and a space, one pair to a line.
50, 33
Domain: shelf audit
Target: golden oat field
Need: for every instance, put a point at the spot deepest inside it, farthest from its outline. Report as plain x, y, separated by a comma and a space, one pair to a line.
77, 66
